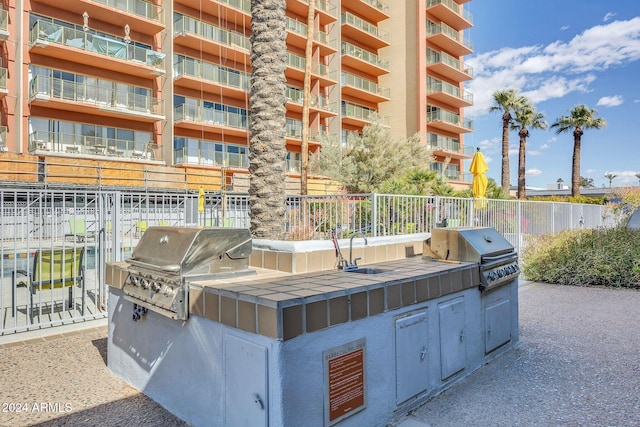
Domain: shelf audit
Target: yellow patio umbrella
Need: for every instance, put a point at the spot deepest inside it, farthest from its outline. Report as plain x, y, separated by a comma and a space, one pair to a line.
201, 200
479, 169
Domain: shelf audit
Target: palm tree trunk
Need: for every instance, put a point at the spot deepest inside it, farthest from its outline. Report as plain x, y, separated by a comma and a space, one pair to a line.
304, 148
522, 153
267, 147
506, 185
575, 165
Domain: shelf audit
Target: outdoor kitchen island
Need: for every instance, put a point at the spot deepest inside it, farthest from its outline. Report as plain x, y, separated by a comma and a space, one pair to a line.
312, 349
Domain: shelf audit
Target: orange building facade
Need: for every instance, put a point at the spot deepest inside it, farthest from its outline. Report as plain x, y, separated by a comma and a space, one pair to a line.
118, 91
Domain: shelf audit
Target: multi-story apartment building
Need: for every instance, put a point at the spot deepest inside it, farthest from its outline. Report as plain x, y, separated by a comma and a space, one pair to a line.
154, 93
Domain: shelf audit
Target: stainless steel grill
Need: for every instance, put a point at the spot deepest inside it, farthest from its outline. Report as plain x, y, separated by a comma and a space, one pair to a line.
495, 256
167, 258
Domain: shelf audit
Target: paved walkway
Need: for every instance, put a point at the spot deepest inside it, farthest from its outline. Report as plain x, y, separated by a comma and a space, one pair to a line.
578, 364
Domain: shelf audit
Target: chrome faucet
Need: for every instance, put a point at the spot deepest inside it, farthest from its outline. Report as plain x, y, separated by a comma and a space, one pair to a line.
353, 263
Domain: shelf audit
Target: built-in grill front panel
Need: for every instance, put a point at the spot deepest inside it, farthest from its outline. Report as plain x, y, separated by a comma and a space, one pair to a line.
167, 258
496, 258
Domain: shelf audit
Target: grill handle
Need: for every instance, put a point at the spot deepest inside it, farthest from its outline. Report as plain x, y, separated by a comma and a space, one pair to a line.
499, 257
172, 268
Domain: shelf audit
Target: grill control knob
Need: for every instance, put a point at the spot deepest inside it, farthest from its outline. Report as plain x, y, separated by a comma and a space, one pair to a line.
155, 287
144, 283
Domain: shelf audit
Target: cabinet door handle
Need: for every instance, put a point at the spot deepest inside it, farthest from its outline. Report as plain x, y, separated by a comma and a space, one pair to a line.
258, 400
423, 353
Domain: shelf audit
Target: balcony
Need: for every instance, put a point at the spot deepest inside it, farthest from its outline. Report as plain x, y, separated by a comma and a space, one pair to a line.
3, 82
372, 10
70, 96
449, 39
358, 115
211, 78
364, 89
142, 16
446, 65
75, 45
319, 71
201, 118
4, 24
448, 94
448, 121
360, 59
297, 36
44, 143
211, 153
326, 11
452, 173
363, 31
202, 36
448, 147
293, 133
3, 140
450, 12
236, 12
317, 103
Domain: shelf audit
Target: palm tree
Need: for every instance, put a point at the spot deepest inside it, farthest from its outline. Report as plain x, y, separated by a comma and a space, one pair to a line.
610, 177
580, 118
506, 101
560, 181
638, 176
267, 149
526, 115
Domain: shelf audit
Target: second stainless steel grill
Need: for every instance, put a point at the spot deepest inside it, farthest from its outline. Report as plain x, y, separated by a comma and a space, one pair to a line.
495, 256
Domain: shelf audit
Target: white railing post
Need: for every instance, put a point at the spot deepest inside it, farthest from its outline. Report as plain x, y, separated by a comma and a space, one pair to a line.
518, 224
374, 215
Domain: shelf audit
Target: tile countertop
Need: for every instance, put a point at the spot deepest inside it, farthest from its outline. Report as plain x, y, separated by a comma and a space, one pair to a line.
286, 288
283, 305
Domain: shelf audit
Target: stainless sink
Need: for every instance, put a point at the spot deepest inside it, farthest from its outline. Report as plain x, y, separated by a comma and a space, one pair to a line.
368, 270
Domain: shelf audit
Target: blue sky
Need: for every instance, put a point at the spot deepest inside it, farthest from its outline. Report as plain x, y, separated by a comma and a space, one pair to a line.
559, 53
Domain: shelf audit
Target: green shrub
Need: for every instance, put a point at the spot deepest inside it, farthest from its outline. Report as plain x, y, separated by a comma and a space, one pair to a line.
596, 257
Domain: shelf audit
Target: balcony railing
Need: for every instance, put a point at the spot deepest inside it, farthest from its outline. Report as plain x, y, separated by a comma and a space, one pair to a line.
3, 79
300, 28
445, 143
96, 95
205, 115
210, 153
317, 68
4, 19
75, 144
47, 32
3, 139
435, 57
434, 85
296, 96
441, 27
243, 5
211, 72
363, 113
187, 25
457, 8
383, 7
364, 84
449, 117
365, 55
141, 8
348, 18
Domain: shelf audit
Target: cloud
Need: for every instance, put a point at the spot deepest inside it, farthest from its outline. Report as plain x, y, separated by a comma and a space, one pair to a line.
545, 146
624, 177
610, 101
608, 16
555, 70
533, 172
533, 152
564, 28
513, 151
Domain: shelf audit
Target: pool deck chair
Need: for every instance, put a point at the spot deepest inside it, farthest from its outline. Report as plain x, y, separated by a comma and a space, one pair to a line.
52, 269
78, 230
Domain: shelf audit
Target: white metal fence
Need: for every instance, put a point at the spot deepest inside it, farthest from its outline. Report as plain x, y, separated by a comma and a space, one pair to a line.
107, 225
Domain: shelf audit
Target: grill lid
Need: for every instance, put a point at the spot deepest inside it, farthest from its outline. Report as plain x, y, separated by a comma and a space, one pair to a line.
188, 251
469, 244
